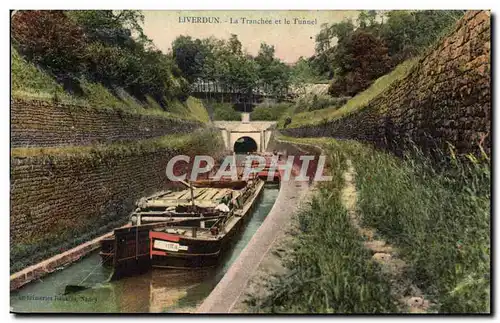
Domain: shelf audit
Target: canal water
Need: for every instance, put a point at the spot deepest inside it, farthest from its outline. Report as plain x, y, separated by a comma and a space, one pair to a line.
159, 290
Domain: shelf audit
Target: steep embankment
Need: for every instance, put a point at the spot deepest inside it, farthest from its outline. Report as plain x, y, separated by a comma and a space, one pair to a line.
319, 116
444, 98
30, 82
417, 234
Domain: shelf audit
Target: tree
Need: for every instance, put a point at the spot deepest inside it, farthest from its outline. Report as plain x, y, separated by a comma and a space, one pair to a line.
107, 47
400, 32
408, 32
431, 24
273, 74
367, 18
234, 45
323, 60
303, 72
241, 73
265, 57
359, 61
339, 46
372, 17
225, 63
189, 54
113, 27
109, 64
49, 38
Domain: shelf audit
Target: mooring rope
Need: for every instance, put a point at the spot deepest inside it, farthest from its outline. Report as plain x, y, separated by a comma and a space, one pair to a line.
101, 262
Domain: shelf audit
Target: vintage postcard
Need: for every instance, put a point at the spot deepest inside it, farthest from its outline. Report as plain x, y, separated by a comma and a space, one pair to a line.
250, 161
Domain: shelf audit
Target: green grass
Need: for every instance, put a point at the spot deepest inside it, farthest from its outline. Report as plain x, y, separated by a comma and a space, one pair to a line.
30, 82
330, 271
197, 109
27, 80
438, 217
197, 138
311, 102
357, 102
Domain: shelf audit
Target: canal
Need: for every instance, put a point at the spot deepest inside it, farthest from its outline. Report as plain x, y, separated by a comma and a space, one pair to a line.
159, 290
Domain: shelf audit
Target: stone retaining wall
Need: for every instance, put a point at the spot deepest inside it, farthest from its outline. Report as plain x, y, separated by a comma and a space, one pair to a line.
41, 123
55, 200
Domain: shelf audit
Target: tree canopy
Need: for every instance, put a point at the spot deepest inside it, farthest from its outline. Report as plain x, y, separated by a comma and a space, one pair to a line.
105, 46
355, 53
228, 64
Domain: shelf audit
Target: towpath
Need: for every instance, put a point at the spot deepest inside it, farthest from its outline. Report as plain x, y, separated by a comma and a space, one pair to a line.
230, 291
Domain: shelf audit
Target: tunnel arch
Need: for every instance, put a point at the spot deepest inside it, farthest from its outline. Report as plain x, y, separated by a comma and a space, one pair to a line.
245, 144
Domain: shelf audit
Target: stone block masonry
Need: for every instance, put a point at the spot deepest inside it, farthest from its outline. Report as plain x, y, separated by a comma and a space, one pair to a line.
446, 98
51, 195
44, 124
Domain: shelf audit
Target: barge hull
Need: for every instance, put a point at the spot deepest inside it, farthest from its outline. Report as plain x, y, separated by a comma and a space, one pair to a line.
133, 249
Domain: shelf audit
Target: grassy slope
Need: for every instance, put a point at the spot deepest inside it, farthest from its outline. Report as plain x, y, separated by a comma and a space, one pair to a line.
357, 102
29, 82
330, 270
173, 141
440, 220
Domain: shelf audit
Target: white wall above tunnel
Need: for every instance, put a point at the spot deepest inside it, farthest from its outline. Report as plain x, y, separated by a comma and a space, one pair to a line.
259, 131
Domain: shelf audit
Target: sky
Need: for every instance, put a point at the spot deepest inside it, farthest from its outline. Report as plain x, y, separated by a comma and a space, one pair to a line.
290, 40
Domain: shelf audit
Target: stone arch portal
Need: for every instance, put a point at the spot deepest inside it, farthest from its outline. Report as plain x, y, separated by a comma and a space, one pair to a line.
259, 132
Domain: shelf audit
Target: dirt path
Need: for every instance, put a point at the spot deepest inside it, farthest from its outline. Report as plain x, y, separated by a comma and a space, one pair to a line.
271, 265
410, 297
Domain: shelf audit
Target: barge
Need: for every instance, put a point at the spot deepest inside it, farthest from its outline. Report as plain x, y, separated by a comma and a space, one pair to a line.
183, 229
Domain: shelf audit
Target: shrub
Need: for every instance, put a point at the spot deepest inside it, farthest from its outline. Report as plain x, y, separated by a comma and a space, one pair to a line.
107, 64
314, 102
270, 112
262, 113
225, 111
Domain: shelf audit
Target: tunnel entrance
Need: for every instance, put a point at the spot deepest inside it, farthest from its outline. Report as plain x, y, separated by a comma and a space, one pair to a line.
244, 145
